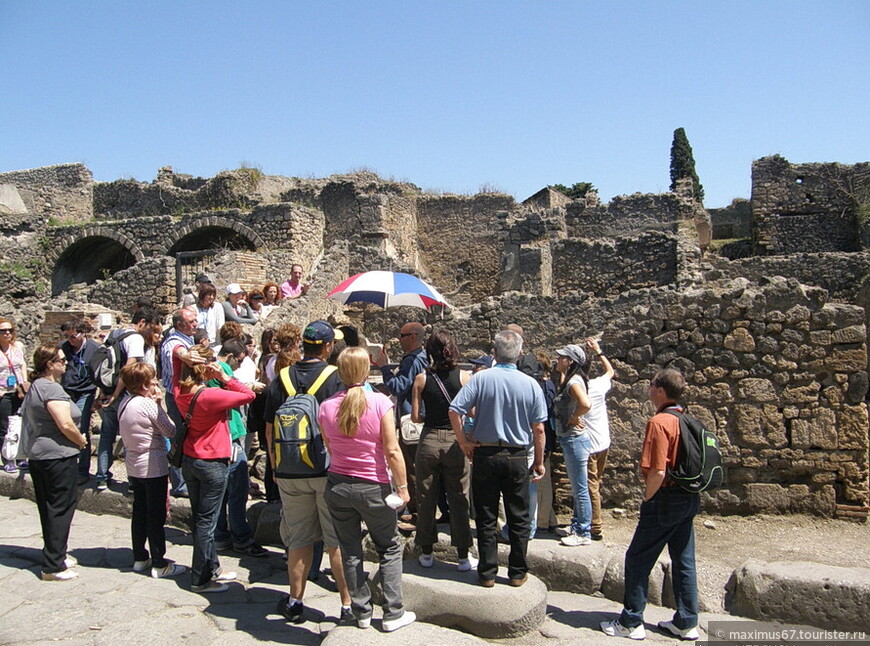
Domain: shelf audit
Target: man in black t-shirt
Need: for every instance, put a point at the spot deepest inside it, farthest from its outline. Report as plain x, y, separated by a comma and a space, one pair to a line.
305, 518
78, 381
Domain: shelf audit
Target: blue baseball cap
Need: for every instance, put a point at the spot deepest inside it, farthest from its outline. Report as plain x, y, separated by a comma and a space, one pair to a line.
321, 332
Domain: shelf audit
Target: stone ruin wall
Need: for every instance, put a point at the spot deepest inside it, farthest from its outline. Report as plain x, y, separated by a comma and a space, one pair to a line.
808, 207
63, 192
772, 378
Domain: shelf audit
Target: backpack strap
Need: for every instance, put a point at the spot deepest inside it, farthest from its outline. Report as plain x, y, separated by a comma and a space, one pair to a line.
290, 389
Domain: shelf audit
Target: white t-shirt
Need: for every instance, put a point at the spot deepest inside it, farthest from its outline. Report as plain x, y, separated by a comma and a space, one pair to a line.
597, 424
133, 345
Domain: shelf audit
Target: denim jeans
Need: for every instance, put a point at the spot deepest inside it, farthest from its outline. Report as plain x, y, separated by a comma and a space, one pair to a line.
233, 526
84, 400
206, 483
352, 501
665, 519
108, 434
501, 471
575, 449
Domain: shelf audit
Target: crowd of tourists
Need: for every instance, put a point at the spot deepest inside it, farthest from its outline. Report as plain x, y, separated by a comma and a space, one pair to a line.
194, 402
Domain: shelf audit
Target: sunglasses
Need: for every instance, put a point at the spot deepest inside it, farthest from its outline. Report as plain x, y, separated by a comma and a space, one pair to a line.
404, 334
6, 330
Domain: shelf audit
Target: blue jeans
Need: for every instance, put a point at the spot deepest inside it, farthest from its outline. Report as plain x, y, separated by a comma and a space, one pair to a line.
576, 450
233, 526
84, 401
206, 483
108, 434
665, 519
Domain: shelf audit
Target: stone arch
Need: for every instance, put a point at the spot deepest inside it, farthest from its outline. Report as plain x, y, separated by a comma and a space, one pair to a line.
213, 232
90, 254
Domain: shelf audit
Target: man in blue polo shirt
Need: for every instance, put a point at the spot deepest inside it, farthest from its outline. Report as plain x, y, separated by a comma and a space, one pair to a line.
509, 417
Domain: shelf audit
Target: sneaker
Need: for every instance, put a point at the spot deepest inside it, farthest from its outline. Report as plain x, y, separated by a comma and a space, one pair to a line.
63, 575
426, 560
10, 467
518, 583
224, 577
364, 622
292, 612
574, 540
141, 566
562, 531
689, 634
346, 616
394, 624
102, 485
70, 561
252, 550
596, 537
211, 587
23, 465
171, 569
467, 564
615, 629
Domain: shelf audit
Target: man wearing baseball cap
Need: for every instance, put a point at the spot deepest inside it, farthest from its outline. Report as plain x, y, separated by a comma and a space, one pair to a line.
305, 518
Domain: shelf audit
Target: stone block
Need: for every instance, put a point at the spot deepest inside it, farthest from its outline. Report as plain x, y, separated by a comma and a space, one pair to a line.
847, 360
852, 427
759, 426
441, 595
801, 394
803, 593
417, 633
767, 498
857, 389
818, 432
851, 334
760, 390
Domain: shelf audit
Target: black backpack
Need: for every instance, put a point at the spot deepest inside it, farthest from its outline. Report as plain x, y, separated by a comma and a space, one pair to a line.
699, 461
108, 359
298, 450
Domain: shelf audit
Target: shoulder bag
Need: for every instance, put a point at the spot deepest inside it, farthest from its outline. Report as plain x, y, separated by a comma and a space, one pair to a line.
176, 449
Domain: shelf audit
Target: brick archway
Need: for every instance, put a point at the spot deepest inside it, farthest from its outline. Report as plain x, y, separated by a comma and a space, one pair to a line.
239, 230
90, 254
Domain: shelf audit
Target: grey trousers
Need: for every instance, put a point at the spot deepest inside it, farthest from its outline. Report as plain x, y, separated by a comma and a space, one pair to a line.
352, 501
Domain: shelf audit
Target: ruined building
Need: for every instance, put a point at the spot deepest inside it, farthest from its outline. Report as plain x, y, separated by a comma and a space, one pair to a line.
769, 326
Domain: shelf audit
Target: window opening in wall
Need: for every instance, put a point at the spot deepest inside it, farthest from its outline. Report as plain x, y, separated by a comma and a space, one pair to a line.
187, 265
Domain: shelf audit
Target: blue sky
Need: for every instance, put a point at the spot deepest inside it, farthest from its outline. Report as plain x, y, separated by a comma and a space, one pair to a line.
452, 96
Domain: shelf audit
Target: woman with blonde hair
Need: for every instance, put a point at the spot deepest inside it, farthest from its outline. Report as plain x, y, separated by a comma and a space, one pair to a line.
144, 424
53, 446
359, 429
207, 451
13, 380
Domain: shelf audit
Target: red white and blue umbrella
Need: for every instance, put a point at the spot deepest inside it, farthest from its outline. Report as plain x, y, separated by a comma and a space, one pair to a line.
387, 289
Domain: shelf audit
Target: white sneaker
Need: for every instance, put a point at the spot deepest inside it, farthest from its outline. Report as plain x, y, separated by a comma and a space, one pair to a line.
426, 560
689, 634
364, 623
615, 629
63, 575
467, 564
70, 561
394, 624
209, 588
574, 540
141, 566
223, 577
171, 569
562, 531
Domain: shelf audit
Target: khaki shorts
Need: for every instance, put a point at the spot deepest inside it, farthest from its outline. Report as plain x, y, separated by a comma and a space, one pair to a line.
305, 518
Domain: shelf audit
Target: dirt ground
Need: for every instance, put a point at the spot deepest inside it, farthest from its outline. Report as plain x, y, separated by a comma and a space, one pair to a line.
724, 543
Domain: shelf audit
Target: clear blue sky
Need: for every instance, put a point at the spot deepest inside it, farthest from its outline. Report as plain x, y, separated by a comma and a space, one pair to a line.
448, 95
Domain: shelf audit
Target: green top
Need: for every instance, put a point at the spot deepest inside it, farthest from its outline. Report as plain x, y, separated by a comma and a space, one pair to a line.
237, 426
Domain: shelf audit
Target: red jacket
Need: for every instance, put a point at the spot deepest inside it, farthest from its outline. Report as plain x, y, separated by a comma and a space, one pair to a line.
208, 434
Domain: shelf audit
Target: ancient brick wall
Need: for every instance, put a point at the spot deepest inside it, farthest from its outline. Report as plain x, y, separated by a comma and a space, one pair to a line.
776, 371
807, 207
732, 221
63, 192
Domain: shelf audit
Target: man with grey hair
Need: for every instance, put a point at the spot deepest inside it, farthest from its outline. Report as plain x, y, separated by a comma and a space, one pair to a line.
510, 415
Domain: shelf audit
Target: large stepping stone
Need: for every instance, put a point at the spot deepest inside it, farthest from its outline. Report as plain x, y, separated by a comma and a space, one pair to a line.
444, 596
416, 633
827, 596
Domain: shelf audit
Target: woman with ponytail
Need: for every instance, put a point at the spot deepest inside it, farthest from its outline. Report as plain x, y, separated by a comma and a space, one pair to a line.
358, 427
572, 403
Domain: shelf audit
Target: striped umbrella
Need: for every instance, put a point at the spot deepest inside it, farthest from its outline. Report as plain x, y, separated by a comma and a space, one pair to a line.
387, 289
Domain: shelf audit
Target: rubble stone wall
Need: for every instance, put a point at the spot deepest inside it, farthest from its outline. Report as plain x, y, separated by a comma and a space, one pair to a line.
63, 192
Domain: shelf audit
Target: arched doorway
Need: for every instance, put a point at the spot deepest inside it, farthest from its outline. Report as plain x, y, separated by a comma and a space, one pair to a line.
89, 260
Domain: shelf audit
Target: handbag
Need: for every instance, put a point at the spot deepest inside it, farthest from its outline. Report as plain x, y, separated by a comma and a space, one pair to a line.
176, 448
410, 430
14, 442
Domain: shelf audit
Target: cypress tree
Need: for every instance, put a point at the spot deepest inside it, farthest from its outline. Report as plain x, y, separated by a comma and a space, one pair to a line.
683, 163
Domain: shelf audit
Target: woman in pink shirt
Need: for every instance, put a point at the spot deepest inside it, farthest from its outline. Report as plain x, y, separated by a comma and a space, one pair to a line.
207, 451
359, 430
143, 424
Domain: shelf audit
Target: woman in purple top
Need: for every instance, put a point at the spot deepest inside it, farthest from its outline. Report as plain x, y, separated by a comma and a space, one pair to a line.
359, 430
143, 424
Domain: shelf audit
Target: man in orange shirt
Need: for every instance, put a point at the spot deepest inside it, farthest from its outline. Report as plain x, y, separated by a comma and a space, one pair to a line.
666, 516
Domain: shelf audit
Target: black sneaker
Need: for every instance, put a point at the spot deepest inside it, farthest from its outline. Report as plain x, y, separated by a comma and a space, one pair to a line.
346, 616
251, 550
291, 612
597, 537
